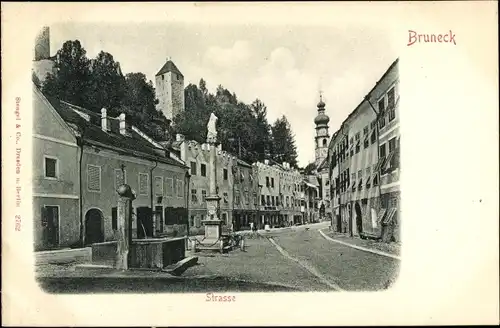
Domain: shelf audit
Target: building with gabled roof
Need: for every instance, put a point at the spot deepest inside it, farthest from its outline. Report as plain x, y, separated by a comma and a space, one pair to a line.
80, 158
364, 164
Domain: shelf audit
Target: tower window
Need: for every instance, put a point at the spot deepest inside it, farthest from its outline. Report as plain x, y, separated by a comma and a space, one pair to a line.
163, 77
324, 142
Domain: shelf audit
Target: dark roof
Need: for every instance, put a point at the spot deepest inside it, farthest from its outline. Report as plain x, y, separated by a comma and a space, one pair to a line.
169, 67
323, 165
133, 144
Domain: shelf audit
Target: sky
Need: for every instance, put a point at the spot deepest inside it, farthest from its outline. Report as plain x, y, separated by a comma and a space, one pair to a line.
286, 66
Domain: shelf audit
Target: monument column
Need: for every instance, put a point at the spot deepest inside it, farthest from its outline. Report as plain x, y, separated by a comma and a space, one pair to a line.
213, 229
124, 227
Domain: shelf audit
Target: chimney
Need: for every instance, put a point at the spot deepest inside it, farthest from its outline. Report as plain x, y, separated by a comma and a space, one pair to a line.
266, 161
123, 124
105, 126
179, 137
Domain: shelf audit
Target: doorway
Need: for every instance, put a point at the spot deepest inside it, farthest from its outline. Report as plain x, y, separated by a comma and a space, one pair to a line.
359, 218
50, 224
144, 222
94, 227
159, 218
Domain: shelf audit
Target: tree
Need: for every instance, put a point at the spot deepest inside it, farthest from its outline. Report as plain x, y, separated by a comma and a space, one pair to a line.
139, 98
310, 169
262, 145
283, 142
107, 84
192, 122
71, 82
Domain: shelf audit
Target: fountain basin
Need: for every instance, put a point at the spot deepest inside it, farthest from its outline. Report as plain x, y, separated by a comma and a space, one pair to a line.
153, 253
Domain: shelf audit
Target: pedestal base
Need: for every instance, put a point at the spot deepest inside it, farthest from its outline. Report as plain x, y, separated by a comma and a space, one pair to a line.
213, 229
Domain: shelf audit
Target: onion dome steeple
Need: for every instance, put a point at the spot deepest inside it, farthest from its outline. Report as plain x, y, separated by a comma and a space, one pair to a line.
322, 119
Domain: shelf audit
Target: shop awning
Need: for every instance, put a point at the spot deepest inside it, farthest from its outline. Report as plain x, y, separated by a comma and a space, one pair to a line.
388, 160
310, 185
381, 214
390, 215
353, 183
379, 164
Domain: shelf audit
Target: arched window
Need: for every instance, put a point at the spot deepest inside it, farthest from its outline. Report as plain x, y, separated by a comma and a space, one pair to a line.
324, 142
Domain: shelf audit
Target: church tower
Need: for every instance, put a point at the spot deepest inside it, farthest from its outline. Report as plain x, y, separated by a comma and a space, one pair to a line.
170, 90
322, 136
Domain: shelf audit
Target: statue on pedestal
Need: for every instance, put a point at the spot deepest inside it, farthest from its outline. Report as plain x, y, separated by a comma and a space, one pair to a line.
211, 127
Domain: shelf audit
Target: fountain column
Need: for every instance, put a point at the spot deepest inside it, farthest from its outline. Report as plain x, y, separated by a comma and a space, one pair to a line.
124, 227
212, 223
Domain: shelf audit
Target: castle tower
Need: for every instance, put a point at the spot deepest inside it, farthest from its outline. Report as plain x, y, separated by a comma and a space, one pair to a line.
322, 136
170, 90
42, 44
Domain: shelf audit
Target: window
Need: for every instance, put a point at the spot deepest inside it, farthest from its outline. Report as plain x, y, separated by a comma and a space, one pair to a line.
226, 198
203, 195
268, 200
120, 178
247, 198
392, 114
191, 221
267, 182
143, 183
272, 182
365, 130
237, 197
373, 124
158, 186
373, 137
194, 196
358, 136
193, 168
94, 178
170, 187
390, 98
272, 200
203, 170
51, 168
382, 151
180, 188
381, 122
262, 200
381, 106
392, 144
224, 218
255, 198
225, 174
366, 143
